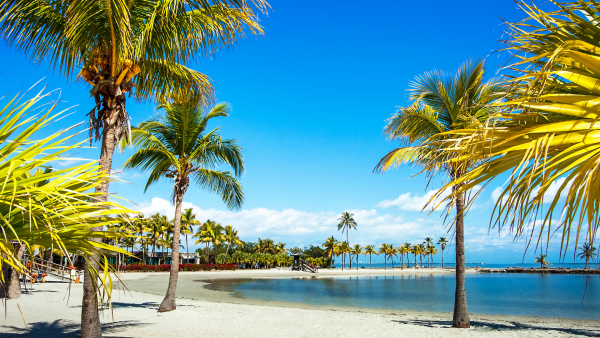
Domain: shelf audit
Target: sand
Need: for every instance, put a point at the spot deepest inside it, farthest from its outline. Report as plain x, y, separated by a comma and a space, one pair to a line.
51, 310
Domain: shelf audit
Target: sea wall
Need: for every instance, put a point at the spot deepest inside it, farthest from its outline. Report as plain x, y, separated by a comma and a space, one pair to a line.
544, 270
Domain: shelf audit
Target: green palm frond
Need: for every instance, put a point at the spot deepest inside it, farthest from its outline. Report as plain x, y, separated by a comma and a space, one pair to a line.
40, 206
548, 133
440, 102
175, 144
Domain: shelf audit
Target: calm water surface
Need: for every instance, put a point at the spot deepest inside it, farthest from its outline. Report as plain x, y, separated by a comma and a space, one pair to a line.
508, 294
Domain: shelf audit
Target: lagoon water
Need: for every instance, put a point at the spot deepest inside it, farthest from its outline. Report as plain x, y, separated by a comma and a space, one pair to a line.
540, 295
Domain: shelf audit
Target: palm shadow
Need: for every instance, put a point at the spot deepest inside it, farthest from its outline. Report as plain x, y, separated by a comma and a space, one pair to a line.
63, 328
482, 326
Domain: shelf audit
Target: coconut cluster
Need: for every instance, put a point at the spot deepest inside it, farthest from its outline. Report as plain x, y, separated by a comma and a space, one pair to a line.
109, 92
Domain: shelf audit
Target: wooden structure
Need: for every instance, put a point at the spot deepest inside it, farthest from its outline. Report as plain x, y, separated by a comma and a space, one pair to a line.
52, 269
301, 265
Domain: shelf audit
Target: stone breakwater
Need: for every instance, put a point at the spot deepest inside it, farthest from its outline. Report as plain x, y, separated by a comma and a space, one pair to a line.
543, 270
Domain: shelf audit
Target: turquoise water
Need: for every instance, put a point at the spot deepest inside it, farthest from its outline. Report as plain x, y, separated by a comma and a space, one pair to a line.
507, 294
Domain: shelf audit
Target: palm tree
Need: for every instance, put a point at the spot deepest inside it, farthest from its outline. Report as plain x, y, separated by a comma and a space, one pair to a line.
384, 249
392, 254
212, 233
188, 220
118, 46
343, 249
542, 260
442, 242
356, 250
280, 248
408, 250
230, 236
175, 145
347, 222
440, 103
415, 250
369, 250
329, 246
431, 250
553, 80
588, 252
199, 234
428, 243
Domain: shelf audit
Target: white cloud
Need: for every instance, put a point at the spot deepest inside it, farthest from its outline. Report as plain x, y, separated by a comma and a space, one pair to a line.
410, 202
301, 228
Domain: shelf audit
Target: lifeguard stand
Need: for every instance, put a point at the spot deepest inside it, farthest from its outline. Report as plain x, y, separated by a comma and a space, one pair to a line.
301, 265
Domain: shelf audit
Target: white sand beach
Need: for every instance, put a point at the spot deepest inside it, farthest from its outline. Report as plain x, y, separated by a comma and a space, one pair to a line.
51, 310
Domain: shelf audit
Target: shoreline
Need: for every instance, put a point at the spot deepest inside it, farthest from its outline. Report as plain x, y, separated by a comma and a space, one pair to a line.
54, 310
151, 284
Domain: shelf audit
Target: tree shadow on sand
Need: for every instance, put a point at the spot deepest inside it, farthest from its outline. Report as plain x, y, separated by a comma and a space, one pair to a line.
481, 326
63, 328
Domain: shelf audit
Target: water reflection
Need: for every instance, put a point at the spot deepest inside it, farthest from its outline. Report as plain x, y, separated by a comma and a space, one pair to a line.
526, 294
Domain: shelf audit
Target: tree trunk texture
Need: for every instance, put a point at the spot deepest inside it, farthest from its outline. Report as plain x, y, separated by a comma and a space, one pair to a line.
442, 258
90, 321
168, 303
14, 286
461, 312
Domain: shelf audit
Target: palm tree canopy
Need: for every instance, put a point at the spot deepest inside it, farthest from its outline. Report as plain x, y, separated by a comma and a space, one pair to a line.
347, 222
547, 133
174, 144
440, 102
156, 36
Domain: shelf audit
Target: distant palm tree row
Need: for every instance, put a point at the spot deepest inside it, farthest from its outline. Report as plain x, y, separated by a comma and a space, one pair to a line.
334, 248
156, 232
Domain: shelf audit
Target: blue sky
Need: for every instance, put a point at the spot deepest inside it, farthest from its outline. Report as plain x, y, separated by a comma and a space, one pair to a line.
310, 99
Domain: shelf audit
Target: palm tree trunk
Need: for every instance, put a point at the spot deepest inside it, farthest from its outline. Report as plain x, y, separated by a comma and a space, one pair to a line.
369, 261
226, 251
461, 313
168, 303
90, 321
348, 242
442, 258
187, 249
14, 286
357, 262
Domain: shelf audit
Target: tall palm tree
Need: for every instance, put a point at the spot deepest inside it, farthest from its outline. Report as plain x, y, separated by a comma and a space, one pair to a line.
329, 246
440, 103
230, 236
356, 250
370, 250
188, 220
542, 260
176, 145
587, 251
542, 139
118, 46
347, 222
442, 242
